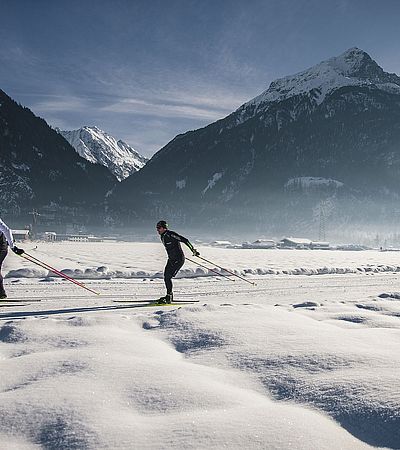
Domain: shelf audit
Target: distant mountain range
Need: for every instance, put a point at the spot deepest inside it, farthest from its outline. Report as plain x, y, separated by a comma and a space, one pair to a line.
99, 147
39, 169
328, 134
321, 143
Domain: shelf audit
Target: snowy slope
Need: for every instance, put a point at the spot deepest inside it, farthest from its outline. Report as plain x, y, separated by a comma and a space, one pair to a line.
294, 362
352, 68
99, 147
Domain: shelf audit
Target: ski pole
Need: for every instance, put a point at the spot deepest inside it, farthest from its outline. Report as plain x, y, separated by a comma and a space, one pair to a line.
201, 265
57, 272
44, 265
52, 269
232, 273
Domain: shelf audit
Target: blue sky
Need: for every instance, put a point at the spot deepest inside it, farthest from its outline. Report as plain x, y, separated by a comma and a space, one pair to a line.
145, 71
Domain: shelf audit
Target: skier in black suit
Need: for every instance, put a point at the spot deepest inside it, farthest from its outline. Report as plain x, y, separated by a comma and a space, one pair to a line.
176, 258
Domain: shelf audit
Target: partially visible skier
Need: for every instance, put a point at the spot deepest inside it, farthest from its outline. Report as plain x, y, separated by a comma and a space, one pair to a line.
6, 240
176, 258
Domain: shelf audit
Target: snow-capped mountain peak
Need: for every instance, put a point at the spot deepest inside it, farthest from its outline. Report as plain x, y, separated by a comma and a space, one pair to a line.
99, 147
352, 68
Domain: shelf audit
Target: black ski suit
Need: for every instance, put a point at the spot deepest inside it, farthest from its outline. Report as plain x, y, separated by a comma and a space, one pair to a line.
176, 258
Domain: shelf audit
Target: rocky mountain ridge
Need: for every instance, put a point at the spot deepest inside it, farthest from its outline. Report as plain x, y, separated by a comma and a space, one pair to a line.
98, 147
339, 120
39, 169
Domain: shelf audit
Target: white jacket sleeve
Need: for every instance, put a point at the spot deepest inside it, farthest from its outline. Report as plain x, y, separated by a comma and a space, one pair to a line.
7, 233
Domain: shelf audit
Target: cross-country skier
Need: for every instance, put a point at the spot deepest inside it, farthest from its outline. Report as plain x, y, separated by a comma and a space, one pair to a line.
176, 258
6, 239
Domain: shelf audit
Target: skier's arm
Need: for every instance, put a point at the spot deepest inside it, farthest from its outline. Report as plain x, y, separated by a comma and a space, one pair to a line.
10, 239
186, 241
7, 233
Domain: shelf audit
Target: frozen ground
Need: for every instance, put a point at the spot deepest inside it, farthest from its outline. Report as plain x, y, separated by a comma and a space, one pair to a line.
304, 362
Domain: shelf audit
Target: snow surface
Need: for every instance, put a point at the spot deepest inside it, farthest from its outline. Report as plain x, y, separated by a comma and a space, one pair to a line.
212, 182
98, 147
305, 362
312, 182
181, 184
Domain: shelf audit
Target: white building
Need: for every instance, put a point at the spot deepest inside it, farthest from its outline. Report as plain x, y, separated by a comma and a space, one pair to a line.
320, 245
20, 235
298, 243
260, 243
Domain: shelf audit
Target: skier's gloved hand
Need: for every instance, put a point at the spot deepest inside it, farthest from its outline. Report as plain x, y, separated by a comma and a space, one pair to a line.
18, 251
195, 252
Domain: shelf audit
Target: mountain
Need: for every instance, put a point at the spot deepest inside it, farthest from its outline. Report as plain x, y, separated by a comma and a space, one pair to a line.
328, 134
39, 169
99, 147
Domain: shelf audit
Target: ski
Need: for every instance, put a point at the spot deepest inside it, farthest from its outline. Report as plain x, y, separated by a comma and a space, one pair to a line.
9, 304
152, 301
151, 304
21, 299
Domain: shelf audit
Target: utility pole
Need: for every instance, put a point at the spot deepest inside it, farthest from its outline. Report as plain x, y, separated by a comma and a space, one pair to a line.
322, 223
35, 216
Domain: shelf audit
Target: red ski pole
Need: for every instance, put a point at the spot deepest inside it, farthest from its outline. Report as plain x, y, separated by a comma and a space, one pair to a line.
44, 265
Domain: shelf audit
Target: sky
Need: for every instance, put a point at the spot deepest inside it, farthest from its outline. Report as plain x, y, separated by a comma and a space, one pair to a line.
147, 70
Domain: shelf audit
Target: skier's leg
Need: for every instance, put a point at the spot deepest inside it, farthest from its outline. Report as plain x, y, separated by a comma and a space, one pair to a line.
175, 268
3, 254
171, 269
168, 274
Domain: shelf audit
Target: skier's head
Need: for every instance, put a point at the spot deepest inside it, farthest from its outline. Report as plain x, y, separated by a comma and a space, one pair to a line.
161, 226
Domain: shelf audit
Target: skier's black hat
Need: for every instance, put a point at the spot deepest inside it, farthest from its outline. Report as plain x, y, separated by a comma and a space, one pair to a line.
162, 224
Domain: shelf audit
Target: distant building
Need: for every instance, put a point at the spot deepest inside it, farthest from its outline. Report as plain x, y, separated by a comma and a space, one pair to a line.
352, 247
221, 243
297, 243
91, 238
20, 235
51, 236
320, 245
260, 243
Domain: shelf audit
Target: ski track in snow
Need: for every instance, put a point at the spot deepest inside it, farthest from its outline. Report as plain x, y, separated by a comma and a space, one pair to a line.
302, 362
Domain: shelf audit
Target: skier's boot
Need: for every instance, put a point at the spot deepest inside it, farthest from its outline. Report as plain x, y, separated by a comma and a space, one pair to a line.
165, 300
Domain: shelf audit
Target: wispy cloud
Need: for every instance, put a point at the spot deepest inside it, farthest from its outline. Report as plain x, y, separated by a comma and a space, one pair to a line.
60, 103
196, 108
174, 104
17, 54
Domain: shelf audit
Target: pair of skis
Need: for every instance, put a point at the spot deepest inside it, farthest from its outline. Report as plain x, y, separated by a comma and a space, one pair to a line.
149, 303
141, 303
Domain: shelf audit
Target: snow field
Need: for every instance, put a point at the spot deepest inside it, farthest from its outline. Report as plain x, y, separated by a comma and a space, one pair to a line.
349, 372
114, 385
146, 260
302, 362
